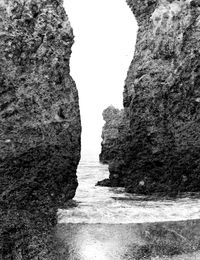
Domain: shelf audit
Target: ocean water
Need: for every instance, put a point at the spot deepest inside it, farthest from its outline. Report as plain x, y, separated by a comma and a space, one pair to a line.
106, 205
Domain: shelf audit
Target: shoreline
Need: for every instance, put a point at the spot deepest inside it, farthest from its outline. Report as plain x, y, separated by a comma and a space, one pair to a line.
167, 240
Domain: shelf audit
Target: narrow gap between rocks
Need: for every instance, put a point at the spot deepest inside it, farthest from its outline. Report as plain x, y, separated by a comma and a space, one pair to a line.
104, 46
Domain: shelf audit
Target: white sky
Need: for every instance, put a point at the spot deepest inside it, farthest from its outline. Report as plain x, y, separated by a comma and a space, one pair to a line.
105, 35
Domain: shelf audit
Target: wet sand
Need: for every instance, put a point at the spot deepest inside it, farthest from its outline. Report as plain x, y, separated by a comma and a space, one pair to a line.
167, 240
37, 238
104, 224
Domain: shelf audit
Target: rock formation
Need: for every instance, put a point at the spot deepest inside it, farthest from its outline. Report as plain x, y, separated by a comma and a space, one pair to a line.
111, 133
39, 112
162, 101
112, 147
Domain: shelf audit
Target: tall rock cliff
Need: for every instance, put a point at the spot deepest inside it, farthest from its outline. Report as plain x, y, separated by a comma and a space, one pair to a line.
162, 100
39, 112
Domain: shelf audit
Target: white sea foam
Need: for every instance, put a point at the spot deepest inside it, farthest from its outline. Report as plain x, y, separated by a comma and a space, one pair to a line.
113, 206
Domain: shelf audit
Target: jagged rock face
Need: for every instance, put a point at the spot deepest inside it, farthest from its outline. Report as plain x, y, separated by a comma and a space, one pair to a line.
162, 98
39, 112
114, 124
115, 135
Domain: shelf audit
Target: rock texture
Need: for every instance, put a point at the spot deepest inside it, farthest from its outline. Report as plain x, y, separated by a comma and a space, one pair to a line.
39, 112
113, 146
28, 236
162, 100
111, 133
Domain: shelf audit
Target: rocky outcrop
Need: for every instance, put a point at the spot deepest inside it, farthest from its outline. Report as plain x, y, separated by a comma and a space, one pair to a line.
39, 112
28, 236
115, 134
114, 124
162, 100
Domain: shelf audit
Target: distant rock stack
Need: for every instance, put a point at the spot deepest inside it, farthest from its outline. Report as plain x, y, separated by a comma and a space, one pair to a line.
112, 147
162, 101
111, 133
39, 111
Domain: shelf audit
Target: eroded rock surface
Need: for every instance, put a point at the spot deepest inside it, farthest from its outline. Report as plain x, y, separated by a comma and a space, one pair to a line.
39, 112
111, 133
162, 100
115, 134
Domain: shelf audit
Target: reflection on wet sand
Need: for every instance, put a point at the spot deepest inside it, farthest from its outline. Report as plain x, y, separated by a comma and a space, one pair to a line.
26, 236
33, 234
172, 240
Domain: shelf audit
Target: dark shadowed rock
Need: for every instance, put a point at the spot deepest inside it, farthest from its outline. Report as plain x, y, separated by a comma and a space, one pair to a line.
105, 183
162, 101
39, 112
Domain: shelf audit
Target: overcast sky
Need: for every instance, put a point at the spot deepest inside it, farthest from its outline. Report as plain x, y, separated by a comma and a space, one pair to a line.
105, 35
